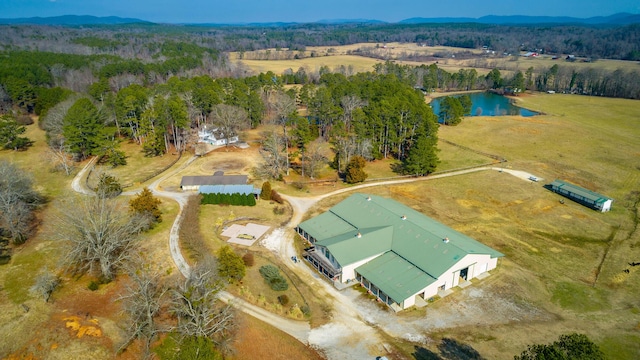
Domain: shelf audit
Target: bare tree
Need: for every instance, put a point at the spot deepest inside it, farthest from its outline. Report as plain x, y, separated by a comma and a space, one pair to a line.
143, 299
284, 106
17, 202
100, 235
229, 120
60, 158
53, 122
349, 104
46, 283
315, 158
274, 157
195, 304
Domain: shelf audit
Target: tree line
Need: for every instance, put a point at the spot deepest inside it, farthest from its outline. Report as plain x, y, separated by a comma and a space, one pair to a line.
611, 42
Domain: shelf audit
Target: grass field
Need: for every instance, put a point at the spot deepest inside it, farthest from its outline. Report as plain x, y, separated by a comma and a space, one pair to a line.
563, 259
335, 56
564, 262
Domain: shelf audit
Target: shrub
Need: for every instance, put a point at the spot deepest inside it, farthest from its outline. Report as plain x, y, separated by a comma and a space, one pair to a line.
276, 197
93, 286
266, 191
355, 170
230, 266
305, 310
279, 210
283, 299
24, 120
229, 199
248, 259
271, 275
299, 185
108, 186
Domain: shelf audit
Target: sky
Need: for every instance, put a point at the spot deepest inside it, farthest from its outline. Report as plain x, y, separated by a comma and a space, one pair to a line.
245, 11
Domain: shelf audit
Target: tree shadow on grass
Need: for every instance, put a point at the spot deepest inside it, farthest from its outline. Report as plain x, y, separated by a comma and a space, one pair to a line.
454, 350
424, 354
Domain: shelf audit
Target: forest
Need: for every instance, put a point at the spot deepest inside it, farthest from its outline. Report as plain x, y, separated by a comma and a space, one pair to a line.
155, 84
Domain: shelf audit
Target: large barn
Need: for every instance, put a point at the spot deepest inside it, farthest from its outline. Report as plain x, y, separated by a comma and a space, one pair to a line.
396, 252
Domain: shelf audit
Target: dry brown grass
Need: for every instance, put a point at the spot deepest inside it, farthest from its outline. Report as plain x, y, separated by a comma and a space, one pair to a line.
258, 340
554, 251
138, 168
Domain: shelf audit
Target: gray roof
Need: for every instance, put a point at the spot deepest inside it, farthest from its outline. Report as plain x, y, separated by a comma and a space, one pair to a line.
214, 180
227, 189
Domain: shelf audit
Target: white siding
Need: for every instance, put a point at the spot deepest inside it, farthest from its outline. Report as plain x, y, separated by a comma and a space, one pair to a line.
477, 264
348, 271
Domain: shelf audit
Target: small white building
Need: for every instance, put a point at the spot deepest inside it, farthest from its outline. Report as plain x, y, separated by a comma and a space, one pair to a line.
214, 137
396, 252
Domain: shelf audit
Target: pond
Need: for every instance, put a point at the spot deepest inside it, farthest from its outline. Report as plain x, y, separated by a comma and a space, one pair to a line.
488, 104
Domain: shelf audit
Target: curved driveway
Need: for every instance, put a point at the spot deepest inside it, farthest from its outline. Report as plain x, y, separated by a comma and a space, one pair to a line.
348, 322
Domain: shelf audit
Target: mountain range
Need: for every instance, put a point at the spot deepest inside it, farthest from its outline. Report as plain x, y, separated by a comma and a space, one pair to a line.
615, 19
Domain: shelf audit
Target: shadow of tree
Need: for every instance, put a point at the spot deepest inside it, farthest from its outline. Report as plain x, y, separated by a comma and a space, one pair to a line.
453, 350
421, 353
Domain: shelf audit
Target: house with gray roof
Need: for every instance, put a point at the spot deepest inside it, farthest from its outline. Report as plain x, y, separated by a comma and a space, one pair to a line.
396, 252
218, 178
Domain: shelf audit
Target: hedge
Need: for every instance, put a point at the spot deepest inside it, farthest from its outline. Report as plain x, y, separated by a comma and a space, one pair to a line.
229, 199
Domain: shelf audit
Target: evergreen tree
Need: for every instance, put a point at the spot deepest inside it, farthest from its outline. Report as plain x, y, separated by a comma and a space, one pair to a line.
355, 170
10, 132
567, 347
266, 191
230, 265
466, 103
82, 128
108, 186
146, 204
451, 111
422, 158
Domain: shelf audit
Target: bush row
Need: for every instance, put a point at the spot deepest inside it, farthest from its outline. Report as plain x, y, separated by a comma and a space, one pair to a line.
229, 199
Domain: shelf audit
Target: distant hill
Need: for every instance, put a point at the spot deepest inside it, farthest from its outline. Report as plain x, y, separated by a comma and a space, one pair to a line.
615, 19
72, 20
350, 21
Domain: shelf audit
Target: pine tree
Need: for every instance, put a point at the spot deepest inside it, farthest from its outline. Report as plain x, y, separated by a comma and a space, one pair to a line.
422, 158
230, 265
355, 170
82, 128
146, 204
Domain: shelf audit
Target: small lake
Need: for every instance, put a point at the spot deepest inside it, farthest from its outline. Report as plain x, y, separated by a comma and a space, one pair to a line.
488, 104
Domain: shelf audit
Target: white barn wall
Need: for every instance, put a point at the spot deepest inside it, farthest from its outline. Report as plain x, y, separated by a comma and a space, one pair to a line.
349, 271
451, 277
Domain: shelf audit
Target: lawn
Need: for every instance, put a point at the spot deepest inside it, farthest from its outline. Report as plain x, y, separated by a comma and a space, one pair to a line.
565, 260
139, 168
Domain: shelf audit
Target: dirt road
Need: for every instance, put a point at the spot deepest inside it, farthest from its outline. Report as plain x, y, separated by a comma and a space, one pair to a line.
353, 332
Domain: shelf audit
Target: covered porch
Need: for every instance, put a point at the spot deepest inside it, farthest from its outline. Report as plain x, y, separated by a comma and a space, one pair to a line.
322, 264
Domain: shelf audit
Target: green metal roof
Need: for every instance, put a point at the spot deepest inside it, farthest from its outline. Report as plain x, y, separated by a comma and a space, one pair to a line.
360, 244
395, 276
412, 236
326, 225
575, 189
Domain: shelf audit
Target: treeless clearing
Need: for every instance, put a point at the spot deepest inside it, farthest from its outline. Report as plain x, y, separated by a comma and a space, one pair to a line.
359, 64
258, 340
334, 56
